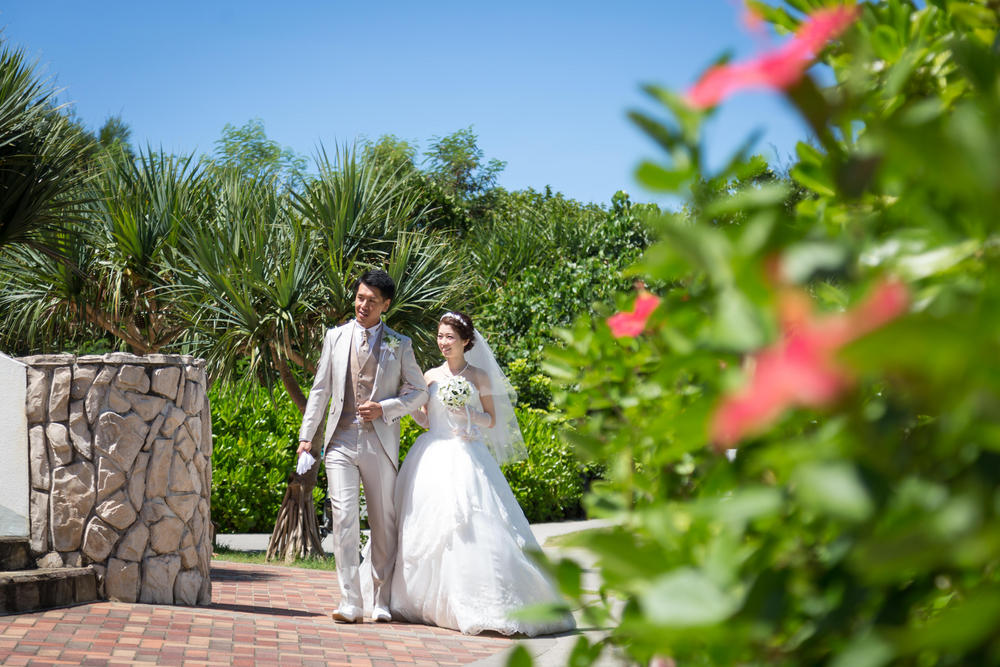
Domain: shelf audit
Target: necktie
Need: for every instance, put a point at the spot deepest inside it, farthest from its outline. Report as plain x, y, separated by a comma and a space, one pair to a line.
364, 341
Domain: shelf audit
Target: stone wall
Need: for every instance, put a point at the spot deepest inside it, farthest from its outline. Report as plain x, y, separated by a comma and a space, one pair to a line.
120, 452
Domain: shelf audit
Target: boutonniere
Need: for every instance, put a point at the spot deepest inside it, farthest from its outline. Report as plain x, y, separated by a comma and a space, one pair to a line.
390, 344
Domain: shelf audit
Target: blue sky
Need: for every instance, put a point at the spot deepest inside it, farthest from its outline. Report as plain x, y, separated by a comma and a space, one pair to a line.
545, 85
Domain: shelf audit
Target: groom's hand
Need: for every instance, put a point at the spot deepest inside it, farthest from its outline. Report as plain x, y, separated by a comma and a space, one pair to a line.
304, 446
370, 411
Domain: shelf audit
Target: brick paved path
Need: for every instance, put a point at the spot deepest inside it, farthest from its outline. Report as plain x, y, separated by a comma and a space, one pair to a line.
260, 615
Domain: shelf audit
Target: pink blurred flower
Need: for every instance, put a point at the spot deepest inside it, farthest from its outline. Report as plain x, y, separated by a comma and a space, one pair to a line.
632, 323
801, 369
778, 69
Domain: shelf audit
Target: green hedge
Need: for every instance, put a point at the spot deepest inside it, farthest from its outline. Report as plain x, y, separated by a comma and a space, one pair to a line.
550, 483
255, 438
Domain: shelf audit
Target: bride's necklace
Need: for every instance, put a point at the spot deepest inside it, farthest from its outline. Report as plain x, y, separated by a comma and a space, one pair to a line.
448, 370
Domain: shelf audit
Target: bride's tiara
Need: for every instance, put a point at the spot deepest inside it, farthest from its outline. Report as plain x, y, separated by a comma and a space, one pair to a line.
457, 316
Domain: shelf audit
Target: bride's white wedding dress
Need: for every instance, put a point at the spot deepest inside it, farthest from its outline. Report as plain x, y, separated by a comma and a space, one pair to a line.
460, 560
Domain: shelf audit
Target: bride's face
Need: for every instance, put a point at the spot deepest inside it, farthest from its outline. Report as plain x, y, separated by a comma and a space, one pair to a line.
449, 342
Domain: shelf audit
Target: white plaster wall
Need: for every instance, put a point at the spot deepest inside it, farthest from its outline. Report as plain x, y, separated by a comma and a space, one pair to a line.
13, 449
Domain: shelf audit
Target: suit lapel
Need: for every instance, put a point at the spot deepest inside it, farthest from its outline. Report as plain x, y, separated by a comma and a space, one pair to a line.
342, 356
382, 350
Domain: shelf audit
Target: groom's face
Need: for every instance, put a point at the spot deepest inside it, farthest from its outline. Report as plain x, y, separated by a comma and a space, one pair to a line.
369, 304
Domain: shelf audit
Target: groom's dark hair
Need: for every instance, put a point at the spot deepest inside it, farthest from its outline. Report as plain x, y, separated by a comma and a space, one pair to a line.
378, 279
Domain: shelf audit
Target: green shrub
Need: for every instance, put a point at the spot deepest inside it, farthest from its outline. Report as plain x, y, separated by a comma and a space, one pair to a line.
255, 436
408, 432
534, 388
845, 341
548, 484
582, 258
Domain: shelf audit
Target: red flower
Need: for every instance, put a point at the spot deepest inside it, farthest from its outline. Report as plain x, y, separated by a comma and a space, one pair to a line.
632, 323
801, 369
778, 69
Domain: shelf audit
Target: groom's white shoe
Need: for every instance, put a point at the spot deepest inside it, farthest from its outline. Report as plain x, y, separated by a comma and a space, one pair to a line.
346, 614
381, 615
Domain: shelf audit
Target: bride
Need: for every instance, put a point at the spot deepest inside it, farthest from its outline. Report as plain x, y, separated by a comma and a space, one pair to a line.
460, 560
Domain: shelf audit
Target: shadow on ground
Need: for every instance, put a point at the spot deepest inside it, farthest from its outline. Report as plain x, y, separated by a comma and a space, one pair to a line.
269, 611
222, 573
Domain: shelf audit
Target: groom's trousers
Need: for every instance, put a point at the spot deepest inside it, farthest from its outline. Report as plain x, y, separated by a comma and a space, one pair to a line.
356, 454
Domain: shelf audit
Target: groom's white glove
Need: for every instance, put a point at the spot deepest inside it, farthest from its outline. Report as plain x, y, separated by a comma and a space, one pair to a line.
306, 461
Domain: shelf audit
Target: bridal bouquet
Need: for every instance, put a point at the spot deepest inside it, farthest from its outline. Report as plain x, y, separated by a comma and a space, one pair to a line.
456, 393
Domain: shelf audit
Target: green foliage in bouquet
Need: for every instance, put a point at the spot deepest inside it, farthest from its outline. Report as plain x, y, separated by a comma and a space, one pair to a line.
844, 344
254, 439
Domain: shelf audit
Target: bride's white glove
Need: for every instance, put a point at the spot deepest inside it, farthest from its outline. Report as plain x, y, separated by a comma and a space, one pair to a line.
420, 416
463, 422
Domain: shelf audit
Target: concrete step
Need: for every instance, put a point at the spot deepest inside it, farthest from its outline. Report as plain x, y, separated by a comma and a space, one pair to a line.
28, 590
15, 553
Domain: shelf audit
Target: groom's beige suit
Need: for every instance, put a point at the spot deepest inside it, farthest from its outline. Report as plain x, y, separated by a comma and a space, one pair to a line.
358, 365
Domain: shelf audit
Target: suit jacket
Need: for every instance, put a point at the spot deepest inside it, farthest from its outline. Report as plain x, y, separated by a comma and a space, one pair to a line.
399, 386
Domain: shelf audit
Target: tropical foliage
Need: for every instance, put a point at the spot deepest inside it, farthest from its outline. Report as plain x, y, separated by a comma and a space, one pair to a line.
42, 159
247, 255
839, 337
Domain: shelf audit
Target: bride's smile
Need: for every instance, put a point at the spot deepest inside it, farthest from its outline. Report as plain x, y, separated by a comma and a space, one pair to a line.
452, 346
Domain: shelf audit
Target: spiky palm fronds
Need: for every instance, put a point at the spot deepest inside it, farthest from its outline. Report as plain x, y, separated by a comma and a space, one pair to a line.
431, 277
249, 280
42, 158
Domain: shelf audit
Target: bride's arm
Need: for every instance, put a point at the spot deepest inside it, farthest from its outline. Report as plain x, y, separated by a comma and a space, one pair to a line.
488, 417
420, 415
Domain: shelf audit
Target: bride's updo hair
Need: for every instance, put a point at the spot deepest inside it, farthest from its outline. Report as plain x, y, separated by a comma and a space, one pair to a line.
461, 323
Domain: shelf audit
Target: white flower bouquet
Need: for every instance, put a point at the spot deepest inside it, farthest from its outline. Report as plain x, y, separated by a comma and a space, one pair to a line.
456, 393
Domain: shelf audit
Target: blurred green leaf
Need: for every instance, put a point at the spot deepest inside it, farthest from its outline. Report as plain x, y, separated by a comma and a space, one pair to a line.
964, 624
738, 324
865, 651
686, 597
658, 179
519, 657
749, 199
833, 488
801, 261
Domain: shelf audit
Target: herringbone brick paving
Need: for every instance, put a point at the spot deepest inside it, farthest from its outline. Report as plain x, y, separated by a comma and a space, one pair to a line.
260, 615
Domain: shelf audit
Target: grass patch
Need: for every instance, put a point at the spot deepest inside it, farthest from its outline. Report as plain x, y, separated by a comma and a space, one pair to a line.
221, 553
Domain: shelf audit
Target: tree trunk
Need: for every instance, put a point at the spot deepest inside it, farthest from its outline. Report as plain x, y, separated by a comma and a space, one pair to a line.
296, 533
288, 380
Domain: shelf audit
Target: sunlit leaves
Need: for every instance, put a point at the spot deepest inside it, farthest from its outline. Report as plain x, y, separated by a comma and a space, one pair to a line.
858, 523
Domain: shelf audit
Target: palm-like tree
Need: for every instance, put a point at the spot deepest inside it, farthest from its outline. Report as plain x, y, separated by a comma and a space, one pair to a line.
120, 258
138, 209
250, 282
272, 269
42, 158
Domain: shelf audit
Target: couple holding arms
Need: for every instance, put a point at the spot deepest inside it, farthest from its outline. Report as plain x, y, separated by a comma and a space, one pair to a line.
447, 535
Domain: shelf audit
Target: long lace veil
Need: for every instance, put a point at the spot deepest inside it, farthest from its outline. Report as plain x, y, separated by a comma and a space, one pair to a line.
504, 440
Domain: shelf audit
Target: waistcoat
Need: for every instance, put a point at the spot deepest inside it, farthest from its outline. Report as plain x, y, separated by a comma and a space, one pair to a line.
359, 381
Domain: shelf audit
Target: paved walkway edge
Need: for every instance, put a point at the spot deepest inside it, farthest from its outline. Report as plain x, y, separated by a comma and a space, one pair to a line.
548, 651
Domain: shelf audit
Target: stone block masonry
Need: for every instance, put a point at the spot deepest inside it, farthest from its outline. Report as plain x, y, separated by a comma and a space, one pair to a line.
120, 459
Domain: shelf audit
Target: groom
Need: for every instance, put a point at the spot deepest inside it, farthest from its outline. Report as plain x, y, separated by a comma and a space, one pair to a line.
369, 377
